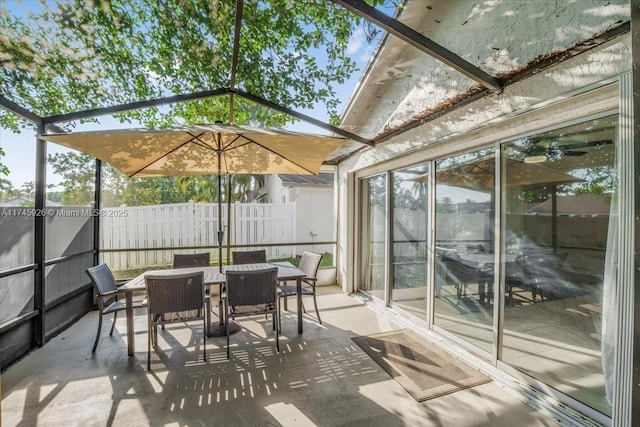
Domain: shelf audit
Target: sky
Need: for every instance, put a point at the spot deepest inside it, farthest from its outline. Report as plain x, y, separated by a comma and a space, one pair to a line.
20, 148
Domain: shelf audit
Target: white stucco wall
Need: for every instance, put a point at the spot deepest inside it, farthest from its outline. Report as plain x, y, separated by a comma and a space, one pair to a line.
539, 101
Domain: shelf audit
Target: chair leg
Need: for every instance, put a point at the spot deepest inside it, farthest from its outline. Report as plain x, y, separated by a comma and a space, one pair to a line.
113, 324
149, 332
279, 315
155, 334
204, 337
315, 304
276, 314
226, 325
95, 344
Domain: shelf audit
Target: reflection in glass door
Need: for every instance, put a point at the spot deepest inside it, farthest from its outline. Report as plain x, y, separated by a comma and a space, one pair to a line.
409, 235
464, 246
373, 220
559, 223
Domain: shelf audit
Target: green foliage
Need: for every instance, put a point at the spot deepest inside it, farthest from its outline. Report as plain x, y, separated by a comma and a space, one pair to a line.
203, 188
4, 170
60, 57
77, 173
152, 191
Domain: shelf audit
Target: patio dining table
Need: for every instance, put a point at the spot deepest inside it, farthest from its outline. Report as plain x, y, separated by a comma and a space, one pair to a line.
483, 263
212, 277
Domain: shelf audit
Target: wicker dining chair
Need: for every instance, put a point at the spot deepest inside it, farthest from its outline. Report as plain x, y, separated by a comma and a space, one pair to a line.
309, 264
191, 260
174, 298
249, 257
107, 297
202, 259
251, 293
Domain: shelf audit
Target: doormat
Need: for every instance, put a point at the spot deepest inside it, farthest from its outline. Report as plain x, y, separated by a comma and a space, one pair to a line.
420, 367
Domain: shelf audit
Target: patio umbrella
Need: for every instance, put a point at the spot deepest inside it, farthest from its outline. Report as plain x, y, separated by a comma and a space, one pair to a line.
479, 175
203, 150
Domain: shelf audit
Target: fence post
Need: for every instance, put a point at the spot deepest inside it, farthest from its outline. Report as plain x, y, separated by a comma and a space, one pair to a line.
294, 227
191, 223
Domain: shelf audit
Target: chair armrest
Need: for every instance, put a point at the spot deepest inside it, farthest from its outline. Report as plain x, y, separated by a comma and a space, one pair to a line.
108, 294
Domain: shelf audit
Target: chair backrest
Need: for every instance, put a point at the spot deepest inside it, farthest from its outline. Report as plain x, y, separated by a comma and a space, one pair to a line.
252, 287
309, 263
191, 260
249, 257
176, 292
458, 268
102, 278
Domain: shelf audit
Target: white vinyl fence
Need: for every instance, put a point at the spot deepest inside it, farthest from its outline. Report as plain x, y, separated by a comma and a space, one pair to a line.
188, 225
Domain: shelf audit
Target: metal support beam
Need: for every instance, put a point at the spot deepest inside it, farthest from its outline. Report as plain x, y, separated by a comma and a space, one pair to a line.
234, 59
414, 38
18, 110
24, 113
236, 43
60, 118
39, 297
97, 202
303, 117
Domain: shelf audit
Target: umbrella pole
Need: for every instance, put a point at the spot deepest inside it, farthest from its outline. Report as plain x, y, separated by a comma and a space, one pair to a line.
220, 330
228, 216
220, 229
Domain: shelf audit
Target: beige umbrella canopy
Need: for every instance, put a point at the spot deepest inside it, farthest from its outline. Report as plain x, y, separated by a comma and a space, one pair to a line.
204, 150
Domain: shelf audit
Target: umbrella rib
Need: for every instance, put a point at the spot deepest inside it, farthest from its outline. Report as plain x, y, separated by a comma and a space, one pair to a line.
238, 136
274, 152
201, 143
165, 154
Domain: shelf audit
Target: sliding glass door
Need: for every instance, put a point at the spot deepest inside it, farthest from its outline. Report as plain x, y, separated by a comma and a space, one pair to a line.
409, 235
464, 247
428, 245
373, 241
558, 191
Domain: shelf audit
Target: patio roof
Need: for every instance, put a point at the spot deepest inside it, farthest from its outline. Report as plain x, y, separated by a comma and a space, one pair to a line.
186, 55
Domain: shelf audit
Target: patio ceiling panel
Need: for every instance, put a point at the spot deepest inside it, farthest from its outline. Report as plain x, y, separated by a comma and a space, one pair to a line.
505, 39
421, 42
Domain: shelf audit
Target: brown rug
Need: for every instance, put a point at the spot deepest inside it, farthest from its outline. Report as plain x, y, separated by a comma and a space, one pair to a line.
422, 368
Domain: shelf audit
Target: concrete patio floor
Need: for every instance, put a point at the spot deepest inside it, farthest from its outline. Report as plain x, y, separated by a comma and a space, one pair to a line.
319, 378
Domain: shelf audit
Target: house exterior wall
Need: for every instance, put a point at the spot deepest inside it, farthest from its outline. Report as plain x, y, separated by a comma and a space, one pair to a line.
543, 100
585, 85
314, 211
275, 190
